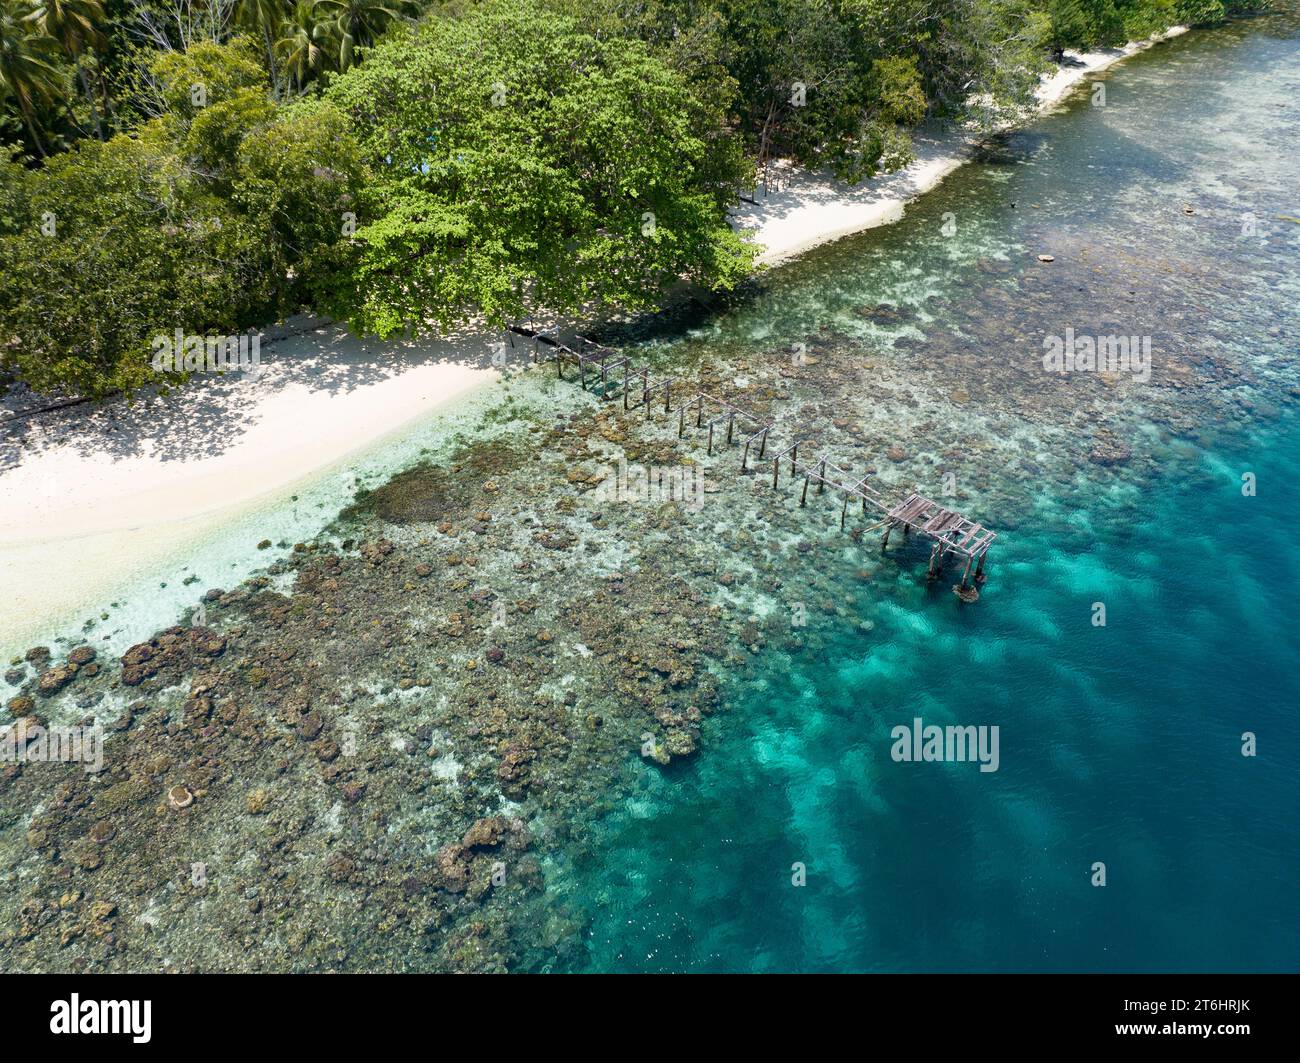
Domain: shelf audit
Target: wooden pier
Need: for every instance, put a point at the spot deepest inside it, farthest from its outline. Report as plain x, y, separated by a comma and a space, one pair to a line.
951, 535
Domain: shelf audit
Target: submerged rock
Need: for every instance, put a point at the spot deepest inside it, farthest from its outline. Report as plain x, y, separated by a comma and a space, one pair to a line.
53, 680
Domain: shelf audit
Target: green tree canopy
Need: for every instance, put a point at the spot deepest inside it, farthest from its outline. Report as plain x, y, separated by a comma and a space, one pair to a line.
518, 161
211, 218
30, 78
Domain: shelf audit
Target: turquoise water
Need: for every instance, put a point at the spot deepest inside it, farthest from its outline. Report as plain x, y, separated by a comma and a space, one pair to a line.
1119, 744
1171, 213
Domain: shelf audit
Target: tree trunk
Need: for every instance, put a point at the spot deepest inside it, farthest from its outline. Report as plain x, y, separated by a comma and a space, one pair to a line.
270, 60
764, 141
29, 119
90, 97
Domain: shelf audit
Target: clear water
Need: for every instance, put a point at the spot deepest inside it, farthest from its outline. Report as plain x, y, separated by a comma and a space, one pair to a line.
1120, 744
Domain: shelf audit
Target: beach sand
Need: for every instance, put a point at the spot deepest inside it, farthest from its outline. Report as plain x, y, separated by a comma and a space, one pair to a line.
811, 209
98, 502
95, 503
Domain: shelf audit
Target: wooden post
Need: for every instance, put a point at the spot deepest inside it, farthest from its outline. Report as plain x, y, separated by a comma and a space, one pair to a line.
681, 422
803, 501
710, 439
966, 572
776, 471
745, 456
821, 478
699, 412
884, 543
979, 570
731, 423
762, 444
794, 455
845, 511
668, 394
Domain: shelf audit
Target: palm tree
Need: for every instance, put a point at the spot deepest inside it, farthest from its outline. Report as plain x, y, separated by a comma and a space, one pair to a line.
298, 46
264, 17
29, 71
357, 23
74, 24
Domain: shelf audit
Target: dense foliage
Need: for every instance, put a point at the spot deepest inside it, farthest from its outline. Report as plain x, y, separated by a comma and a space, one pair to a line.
209, 164
517, 160
205, 219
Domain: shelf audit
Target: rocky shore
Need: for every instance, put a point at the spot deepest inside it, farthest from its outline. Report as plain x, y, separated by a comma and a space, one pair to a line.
388, 749
391, 748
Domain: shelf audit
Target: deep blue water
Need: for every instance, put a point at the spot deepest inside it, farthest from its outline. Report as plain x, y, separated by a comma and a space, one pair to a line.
1119, 744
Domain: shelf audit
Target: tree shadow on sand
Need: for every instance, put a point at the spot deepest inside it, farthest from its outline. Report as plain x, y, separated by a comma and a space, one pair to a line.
210, 413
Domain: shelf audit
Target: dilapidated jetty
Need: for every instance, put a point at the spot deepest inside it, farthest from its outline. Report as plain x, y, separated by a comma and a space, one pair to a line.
950, 534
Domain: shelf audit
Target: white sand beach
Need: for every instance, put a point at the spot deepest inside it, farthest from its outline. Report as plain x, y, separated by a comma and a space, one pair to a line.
811, 209
96, 500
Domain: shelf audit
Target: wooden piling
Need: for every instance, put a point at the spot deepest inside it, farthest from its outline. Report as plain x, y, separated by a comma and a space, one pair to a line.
949, 533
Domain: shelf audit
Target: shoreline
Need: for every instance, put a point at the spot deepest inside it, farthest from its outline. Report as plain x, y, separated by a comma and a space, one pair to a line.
812, 208
109, 586
93, 501
98, 503
227, 441
629, 704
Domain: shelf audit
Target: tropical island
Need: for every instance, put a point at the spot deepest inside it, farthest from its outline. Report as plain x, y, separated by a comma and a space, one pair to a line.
412, 172
430, 429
